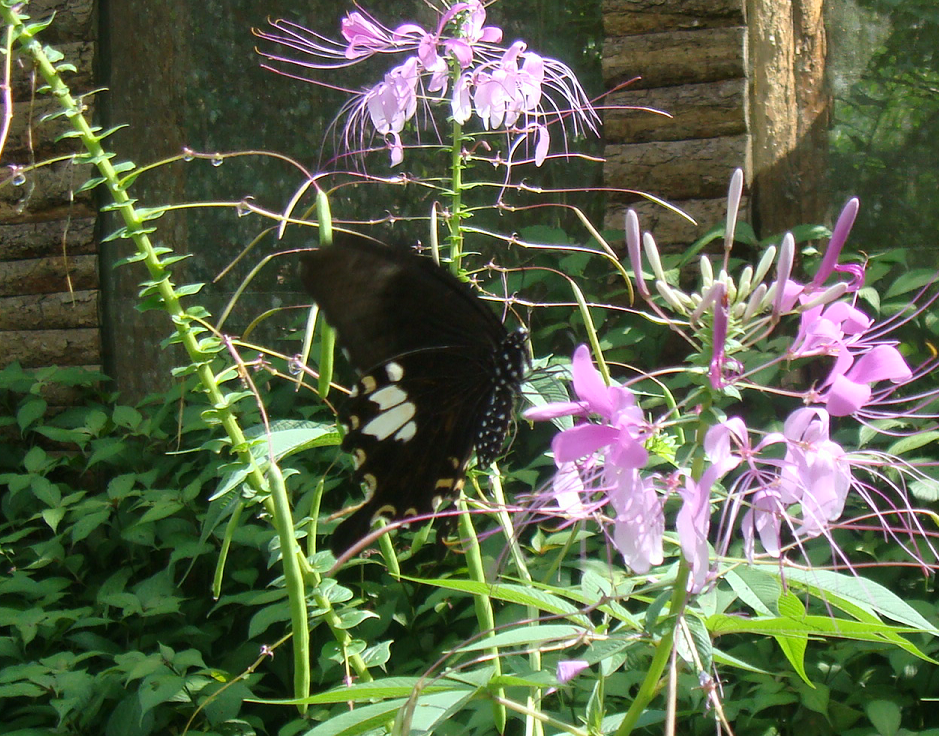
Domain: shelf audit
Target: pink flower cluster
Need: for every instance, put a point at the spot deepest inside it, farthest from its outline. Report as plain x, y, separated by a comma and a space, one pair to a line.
798, 476
507, 88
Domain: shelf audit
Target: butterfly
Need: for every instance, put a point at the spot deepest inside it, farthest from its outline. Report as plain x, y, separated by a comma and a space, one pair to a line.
438, 375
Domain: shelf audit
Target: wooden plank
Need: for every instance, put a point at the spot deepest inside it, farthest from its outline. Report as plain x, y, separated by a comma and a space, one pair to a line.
32, 135
50, 311
669, 228
81, 54
74, 19
632, 17
790, 107
678, 170
74, 236
696, 110
32, 348
47, 192
48, 275
681, 57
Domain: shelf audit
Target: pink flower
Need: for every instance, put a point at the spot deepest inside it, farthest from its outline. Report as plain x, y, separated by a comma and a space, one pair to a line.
365, 35
507, 91
692, 525
828, 329
505, 87
764, 518
568, 669
791, 291
393, 102
842, 330
849, 384
605, 458
815, 472
639, 524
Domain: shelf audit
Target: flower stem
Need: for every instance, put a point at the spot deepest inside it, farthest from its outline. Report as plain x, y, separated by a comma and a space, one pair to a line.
455, 220
483, 605
663, 651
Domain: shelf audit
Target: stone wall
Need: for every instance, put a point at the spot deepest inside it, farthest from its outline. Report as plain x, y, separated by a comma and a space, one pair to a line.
49, 298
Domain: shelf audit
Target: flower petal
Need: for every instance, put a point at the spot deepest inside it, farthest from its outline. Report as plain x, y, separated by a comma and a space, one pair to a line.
882, 363
589, 385
581, 441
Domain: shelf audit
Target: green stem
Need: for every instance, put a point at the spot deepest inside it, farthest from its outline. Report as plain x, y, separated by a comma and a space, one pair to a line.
201, 354
533, 726
293, 581
663, 651
483, 604
455, 221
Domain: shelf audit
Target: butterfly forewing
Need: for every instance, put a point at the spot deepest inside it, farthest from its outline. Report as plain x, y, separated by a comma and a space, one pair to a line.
438, 375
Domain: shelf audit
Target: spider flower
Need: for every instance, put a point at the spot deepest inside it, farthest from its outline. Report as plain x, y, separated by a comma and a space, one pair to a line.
598, 463
510, 89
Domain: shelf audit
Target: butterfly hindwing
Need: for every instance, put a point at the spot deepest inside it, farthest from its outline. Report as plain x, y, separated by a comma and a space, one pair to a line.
438, 376
407, 459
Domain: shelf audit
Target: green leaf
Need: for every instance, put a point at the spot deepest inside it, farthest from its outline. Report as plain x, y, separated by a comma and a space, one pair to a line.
910, 280
45, 491
755, 587
885, 716
913, 442
816, 698
91, 184
378, 655
30, 412
793, 646
348, 619
866, 594
525, 636
53, 54
159, 688
160, 510
106, 449
263, 619
522, 595
127, 416
52, 517
790, 606
88, 523
286, 438
359, 720
188, 289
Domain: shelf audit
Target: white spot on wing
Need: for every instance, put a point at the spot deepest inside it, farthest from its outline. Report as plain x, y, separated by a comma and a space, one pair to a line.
395, 371
406, 432
388, 397
391, 421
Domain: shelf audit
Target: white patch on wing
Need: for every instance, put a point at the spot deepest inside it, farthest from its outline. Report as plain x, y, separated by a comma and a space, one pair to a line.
406, 432
388, 397
395, 371
391, 421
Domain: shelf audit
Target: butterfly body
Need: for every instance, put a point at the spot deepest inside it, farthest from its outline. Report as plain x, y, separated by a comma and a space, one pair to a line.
438, 375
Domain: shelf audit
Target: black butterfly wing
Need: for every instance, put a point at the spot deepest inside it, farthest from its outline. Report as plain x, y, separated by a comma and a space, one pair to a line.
439, 375
386, 301
410, 438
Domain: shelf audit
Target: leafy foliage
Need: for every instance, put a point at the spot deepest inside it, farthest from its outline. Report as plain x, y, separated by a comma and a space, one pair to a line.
149, 590
886, 123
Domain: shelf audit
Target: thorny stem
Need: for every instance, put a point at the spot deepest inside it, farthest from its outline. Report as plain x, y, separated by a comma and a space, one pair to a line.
455, 220
136, 229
